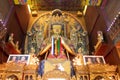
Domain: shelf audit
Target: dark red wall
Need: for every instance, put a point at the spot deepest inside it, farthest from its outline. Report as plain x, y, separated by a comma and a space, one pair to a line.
3, 56
113, 57
17, 24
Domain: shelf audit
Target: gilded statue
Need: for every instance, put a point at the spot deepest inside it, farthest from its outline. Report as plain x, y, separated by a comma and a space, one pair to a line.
11, 38
56, 35
100, 39
78, 60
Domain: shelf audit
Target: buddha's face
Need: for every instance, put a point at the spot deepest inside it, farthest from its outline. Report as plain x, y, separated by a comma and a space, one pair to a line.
57, 29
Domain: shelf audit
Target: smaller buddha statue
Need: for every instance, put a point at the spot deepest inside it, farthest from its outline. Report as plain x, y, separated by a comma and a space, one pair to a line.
78, 60
99, 38
34, 60
10, 39
54, 45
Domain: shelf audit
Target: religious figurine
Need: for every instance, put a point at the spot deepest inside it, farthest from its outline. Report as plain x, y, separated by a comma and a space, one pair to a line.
78, 60
56, 40
10, 39
99, 38
55, 47
34, 60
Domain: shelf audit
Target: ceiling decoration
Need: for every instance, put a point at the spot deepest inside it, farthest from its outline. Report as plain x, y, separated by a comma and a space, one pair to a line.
69, 5
59, 4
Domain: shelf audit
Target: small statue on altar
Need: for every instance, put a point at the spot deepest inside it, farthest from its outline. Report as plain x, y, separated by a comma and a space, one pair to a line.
78, 60
99, 38
34, 60
10, 39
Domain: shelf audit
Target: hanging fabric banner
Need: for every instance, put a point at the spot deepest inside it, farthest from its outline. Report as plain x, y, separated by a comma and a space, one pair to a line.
58, 45
52, 51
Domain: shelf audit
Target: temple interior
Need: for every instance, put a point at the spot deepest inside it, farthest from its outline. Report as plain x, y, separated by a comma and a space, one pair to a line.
59, 39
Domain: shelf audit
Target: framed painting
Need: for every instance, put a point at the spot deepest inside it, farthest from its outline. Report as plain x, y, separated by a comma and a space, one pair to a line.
19, 58
93, 60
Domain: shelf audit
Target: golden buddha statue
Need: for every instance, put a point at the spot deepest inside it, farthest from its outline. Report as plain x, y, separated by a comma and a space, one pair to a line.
57, 41
55, 51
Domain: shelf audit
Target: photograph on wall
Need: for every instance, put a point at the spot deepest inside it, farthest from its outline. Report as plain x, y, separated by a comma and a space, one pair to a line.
19, 58
93, 60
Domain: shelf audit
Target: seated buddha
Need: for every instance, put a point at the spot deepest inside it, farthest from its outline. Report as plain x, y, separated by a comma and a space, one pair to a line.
56, 51
56, 44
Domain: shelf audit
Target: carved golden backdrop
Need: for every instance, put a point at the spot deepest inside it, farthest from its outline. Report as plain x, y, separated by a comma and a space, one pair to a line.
42, 29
